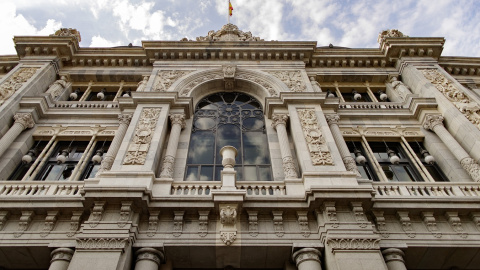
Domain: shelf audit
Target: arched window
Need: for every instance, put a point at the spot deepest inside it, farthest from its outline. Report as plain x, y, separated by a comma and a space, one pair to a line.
234, 119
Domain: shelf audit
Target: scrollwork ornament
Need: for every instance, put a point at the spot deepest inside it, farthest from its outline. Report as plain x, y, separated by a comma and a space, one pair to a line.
102, 243
353, 244
319, 152
15, 82
178, 119
228, 215
165, 79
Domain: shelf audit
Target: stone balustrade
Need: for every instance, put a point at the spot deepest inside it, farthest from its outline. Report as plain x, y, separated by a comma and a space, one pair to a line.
370, 105
29, 189
253, 188
426, 190
86, 104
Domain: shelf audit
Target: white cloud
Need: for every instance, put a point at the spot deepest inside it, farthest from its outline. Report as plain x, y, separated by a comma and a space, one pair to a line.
98, 41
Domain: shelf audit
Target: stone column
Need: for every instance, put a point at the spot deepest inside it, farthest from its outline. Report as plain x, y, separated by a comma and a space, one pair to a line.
148, 259
280, 124
394, 259
107, 161
178, 123
307, 259
348, 160
435, 123
61, 258
401, 89
22, 122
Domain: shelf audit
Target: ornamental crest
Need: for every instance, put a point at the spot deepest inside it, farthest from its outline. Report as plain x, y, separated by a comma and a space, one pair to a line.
293, 79
68, 32
317, 146
165, 79
229, 32
15, 82
389, 33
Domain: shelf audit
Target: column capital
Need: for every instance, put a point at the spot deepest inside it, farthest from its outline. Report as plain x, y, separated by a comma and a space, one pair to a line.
61, 254
178, 118
432, 120
25, 119
393, 254
150, 254
278, 119
125, 118
306, 254
332, 119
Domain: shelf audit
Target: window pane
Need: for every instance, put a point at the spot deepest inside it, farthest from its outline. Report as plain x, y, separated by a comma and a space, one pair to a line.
388, 173
250, 173
228, 135
363, 172
53, 172
206, 173
201, 148
265, 174
255, 147
192, 173
402, 173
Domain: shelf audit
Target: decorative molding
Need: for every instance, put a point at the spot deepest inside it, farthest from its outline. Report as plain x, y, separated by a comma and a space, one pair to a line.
456, 223
203, 223
252, 223
3, 218
431, 224
124, 118
432, 120
303, 222
306, 254
138, 148
142, 84
97, 213
330, 214
259, 81
278, 223
406, 224
125, 213
332, 119
24, 222
353, 244
57, 87
389, 33
178, 119
68, 32
228, 32
472, 167
464, 104
49, 224
475, 216
228, 215
24, 119
153, 221
316, 143
381, 224
61, 254
229, 76
279, 119
178, 223
165, 79
228, 237
15, 82
196, 82
293, 79
228, 220
150, 254
102, 243
359, 215
74, 223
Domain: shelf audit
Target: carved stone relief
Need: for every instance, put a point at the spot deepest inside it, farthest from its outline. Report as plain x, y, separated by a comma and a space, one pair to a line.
278, 223
178, 223
125, 212
56, 88
138, 148
102, 243
3, 218
203, 223
68, 32
229, 32
198, 81
259, 81
399, 87
381, 224
24, 222
253, 223
165, 79
49, 224
406, 224
431, 224
293, 79
228, 220
97, 213
153, 223
464, 104
15, 82
303, 223
359, 215
229, 76
317, 146
142, 84
456, 223
74, 223
330, 214
353, 244
389, 33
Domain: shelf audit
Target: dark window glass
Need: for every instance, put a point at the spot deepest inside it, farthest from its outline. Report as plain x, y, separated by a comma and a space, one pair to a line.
109, 96
433, 169
366, 168
23, 168
349, 97
228, 119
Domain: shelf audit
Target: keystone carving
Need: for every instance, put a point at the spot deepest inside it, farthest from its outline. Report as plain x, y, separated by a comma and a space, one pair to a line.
15, 82
319, 152
24, 222
229, 76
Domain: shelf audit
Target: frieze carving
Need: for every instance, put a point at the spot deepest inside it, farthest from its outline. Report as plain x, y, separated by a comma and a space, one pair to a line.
153, 223
389, 33
259, 81
316, 143
102, 243
97, 213
406, 224
178, 223
165, 79
353, 244
381, 224
398, 86
431, 224
464, 104
228, 32
303, 223
138, 148
25, 119
278, 223
15, 82
253, 223
24, 222
49, 224
456, 223
74, 223
125, 212
68, 32
203, 223
293, 79
198, 81
359, 215
330, 214
56, 88
142, 84
3, 218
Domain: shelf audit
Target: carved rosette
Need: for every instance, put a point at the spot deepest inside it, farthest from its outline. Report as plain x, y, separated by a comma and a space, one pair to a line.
293, 79
319, 152
432, 120
166, 78
15, 82
61, 254
306, 254
353, 244
24, 119
102, 243
464, 104
471, 167
150, 254
138, 148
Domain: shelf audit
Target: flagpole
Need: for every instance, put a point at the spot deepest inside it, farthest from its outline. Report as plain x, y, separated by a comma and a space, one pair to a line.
228, 13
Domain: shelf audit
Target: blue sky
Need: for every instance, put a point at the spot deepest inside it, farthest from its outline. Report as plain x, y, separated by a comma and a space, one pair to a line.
347, 23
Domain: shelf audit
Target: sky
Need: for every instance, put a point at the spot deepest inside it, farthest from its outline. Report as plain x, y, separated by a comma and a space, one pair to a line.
345, 23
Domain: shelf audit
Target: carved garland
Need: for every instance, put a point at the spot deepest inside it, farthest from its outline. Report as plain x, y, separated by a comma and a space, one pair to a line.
463, 103
138, 148
15, 82
317, 146
293, 79
165, 79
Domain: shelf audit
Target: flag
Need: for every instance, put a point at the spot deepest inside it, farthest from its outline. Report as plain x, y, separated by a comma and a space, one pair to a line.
230, 8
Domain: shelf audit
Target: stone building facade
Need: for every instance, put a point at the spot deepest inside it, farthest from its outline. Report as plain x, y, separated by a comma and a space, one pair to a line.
231, 152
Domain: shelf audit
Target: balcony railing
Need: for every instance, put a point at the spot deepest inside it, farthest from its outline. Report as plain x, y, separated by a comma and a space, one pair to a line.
252, 188
39, 189
370, 105
427, 189
86, 104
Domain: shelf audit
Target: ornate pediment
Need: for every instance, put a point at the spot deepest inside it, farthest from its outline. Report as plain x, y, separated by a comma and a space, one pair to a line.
390, 33
229, 32
68, 32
